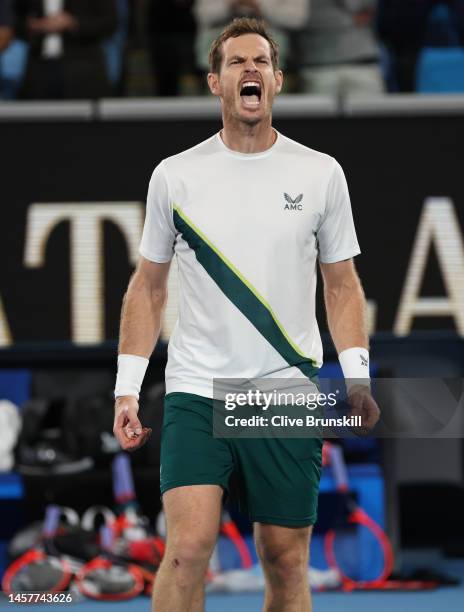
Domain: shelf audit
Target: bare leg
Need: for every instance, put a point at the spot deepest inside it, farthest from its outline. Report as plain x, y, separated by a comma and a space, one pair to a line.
198, 599
192, 521
284, 554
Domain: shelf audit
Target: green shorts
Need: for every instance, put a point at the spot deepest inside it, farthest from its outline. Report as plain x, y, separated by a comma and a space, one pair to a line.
277, 478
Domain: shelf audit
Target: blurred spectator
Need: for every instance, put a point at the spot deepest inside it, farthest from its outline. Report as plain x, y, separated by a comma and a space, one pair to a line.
402, 26
115, 47
6, 24
283, 18
66, 55
339, 52
171, 35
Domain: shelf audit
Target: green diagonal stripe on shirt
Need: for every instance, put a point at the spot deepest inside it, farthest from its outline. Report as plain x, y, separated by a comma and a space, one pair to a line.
242, 294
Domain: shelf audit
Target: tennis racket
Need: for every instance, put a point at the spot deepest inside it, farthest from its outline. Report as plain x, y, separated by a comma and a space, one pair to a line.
355, 519
135, 541
106, 578
130, 524
41, 569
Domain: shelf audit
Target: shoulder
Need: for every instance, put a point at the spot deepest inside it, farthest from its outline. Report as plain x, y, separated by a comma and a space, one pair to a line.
322, 161
195, 154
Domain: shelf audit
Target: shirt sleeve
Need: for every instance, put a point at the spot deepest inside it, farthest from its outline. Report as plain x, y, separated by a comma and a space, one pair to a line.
159, 234
336, 234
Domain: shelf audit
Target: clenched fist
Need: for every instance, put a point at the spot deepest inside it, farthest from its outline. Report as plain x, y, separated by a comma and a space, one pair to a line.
127, 427
364, 405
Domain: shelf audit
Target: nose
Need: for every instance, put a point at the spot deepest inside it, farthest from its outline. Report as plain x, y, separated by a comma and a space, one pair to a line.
250, 65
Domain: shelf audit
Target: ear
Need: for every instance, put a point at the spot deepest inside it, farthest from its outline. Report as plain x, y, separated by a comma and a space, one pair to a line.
279, 77
213, 83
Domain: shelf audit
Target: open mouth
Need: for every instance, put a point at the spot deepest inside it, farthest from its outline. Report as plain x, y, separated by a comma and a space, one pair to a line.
250, 94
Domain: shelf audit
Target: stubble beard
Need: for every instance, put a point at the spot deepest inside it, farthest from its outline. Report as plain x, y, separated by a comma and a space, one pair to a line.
241, 121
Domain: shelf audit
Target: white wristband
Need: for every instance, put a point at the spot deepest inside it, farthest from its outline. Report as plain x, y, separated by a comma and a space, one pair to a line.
355, 366
131, 370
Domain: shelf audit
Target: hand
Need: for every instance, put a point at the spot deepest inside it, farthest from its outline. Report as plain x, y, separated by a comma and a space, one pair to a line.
53, 24
127, 427
364, 405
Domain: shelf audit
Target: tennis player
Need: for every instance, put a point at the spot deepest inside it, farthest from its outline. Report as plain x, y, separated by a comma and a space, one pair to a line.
248, 213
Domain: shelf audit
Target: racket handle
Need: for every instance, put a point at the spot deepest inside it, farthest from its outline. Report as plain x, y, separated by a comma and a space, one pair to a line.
123, 484
106, 537
52, 520
339, 470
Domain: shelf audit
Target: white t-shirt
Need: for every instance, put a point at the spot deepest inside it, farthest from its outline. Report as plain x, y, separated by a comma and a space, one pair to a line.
247, 230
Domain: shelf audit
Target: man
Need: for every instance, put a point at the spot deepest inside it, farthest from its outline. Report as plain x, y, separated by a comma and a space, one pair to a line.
284, 19
65, 58
247, 265
339, 53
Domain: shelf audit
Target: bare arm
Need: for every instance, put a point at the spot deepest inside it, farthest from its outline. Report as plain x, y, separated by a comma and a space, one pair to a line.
345, 305
142, 308
141, 316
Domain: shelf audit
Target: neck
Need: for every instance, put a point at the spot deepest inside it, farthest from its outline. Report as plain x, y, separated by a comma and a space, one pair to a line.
245, 138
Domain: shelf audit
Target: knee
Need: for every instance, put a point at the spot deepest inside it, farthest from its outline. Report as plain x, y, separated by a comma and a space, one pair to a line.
288, 567
189, 551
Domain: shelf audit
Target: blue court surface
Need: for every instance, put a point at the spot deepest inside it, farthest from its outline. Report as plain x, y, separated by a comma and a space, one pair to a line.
449, 599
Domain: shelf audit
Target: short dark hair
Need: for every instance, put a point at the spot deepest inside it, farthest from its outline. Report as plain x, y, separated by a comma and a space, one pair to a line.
239, 27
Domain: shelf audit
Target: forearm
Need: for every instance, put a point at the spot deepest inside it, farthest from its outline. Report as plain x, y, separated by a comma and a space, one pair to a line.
346, 306
141, 317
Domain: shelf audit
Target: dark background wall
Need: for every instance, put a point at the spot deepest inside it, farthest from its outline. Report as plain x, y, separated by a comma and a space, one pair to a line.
392, 165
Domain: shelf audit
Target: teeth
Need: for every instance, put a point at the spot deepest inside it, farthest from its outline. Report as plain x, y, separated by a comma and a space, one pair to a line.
251, 84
